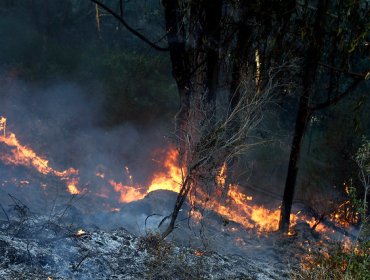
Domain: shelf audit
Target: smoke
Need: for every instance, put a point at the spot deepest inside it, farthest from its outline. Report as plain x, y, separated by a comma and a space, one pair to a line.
62, 122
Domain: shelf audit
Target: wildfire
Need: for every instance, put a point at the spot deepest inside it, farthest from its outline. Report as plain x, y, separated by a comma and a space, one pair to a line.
72, 186
3, 125
80, 232
221, 176
237, 206
25, 156
127, 193
101, 175
167, 180
171, 179
198, 253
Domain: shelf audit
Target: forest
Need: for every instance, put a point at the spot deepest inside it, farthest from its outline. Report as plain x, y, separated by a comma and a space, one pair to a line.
184, 139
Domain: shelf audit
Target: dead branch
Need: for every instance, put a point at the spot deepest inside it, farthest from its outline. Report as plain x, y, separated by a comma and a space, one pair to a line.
206, 141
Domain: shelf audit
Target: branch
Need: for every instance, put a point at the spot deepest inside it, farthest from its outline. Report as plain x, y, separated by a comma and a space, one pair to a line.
358, 75
336, 99
128, 27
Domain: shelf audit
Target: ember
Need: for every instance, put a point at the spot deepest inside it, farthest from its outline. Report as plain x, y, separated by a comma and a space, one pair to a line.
198, 253
80, 232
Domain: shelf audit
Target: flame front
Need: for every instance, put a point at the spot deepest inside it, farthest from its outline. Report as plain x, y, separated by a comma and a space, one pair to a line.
127, 193
172, 178
72, 186
22, 155
237, 207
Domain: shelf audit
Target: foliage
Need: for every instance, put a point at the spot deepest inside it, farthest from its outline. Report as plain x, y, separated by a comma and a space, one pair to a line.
362, 159
137, 82
44, 43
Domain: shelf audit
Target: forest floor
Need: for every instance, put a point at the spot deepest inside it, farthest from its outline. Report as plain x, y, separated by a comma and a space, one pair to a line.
52, 247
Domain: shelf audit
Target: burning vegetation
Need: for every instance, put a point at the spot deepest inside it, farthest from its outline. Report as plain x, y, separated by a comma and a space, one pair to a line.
252, 167
230, 202
237, 206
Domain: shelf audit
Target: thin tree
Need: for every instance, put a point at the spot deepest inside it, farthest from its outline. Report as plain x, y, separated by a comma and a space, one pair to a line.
335, 37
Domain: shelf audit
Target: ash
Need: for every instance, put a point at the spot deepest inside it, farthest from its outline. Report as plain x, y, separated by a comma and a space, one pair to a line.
113, 254
33, 246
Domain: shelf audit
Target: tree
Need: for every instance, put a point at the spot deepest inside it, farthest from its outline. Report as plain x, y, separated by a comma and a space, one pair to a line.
214, 45
206, 39
335, 33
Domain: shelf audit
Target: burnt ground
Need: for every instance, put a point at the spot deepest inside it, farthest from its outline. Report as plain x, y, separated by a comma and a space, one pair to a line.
38, 246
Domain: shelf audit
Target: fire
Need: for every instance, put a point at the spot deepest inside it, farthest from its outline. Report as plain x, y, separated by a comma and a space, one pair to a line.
238, 209
239, 241
127, 193
80, 232
196, 215
127, 171
22, 155
237, 206
25, 156
198, 253
72, 187
221, 176
172, 178
101, 175
3, 125
169, 179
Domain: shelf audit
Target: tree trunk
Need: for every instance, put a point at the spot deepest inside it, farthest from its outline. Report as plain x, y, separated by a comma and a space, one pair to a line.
308, 82
301, 121
196, 71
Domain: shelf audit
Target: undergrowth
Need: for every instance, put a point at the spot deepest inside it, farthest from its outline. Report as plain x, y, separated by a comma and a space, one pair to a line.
167, 262
340, 261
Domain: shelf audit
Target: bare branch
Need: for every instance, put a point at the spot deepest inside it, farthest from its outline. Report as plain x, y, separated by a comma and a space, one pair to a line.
206, 142
128, 27
348, 72
336, 99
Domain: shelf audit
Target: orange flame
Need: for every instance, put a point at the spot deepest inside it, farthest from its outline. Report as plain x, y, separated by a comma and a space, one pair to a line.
127, 193
169, 179
221, 176
3, 125
172, 178
72, 186
22, 155
198, 253
238, 206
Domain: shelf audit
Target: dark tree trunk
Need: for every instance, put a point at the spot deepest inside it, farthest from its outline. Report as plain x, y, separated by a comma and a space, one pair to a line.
301, 122
179, 60
213, 14
239, 67
199, 78
308, 80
